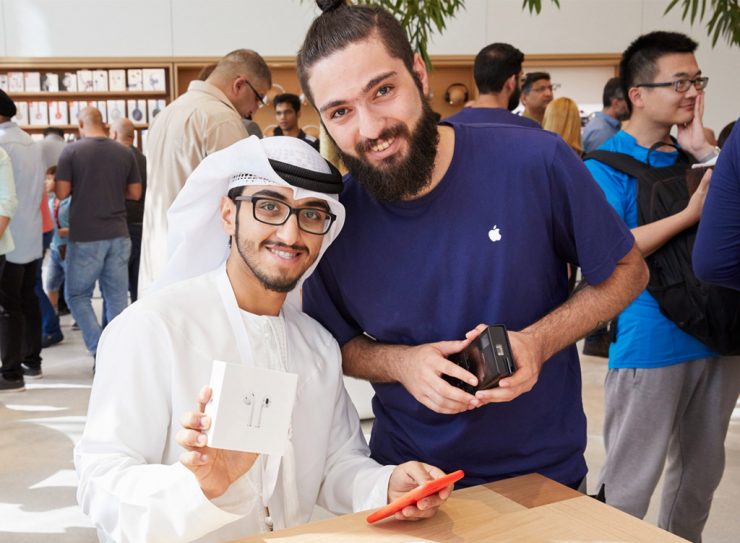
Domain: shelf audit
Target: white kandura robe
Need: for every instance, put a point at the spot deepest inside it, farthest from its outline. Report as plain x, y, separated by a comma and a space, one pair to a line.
153, 359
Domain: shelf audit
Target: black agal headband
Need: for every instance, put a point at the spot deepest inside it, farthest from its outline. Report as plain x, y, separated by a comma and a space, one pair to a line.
326, 183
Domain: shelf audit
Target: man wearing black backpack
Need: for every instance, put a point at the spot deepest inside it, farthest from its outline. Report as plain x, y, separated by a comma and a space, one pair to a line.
668, 395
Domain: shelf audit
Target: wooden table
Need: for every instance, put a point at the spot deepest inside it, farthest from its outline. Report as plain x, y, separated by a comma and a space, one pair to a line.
527, 509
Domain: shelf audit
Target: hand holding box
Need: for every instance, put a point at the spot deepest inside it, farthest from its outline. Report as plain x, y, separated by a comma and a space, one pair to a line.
250, 408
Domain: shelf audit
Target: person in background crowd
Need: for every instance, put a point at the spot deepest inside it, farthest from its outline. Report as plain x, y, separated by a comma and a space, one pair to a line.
287, 113
51, 331
605, 123
122, 130
208, 117
54, 278
20, 319
716, 257
8, 205
498, 76
100, 174
52, 145
725, 133
668, 396
563, 117
537, 92
253, 129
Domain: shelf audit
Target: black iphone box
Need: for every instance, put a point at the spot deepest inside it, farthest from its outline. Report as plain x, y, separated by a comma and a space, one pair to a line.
488, 357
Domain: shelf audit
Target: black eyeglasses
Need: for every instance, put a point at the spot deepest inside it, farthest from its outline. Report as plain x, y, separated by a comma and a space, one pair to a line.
680, 85
275, 213
260, 97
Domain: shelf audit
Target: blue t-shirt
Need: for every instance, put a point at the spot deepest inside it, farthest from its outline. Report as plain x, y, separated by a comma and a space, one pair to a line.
645, 337
716, 256
490, 115
489, 244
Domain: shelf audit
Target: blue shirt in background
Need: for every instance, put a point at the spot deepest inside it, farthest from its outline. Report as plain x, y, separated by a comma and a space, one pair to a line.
645, 337
489, 244
490, 115
599, 129
716, 256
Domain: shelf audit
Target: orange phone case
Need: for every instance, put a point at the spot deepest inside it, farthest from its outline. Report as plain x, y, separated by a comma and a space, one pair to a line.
413, 496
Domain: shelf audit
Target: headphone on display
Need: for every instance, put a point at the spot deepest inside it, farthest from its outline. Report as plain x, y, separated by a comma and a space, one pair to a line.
452, 94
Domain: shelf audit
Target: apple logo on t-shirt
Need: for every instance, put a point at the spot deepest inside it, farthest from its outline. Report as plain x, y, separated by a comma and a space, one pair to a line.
494, 234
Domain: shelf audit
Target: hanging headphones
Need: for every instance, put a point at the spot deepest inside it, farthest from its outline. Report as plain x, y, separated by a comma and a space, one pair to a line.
456, 94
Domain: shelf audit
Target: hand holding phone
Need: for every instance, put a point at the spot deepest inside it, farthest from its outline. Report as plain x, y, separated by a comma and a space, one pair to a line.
488, 357
413, 496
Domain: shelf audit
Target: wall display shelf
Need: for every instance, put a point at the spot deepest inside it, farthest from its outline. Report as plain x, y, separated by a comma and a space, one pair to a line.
52, 91
141, 87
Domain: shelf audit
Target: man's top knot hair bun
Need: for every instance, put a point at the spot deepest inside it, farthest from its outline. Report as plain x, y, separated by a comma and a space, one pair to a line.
329, 5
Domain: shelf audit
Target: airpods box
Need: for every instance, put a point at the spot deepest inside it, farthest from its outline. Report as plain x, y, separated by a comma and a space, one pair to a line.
250, 408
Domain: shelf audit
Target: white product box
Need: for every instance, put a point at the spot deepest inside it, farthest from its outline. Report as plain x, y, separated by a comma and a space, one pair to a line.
137, 111
21, 115
116, 109
58, 113
117, 80
100, 80
153, 79
155, 107
50, 82
134, 78
68, 82
15, 82
38, 114
85, 80
250, 408
32, 81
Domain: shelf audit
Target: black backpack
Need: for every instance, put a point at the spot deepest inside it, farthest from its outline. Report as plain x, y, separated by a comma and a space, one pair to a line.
709, 313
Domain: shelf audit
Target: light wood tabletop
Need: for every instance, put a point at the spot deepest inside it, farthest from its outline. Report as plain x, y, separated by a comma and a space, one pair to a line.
527, 509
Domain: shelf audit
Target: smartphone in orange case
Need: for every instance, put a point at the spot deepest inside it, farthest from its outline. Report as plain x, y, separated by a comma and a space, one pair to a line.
413, 496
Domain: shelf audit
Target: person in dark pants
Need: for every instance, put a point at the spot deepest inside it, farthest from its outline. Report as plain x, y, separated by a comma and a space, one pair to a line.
20, 319
122, 130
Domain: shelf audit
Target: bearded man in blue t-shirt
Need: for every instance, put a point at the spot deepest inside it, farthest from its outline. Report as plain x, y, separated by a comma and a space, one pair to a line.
448, 227
668, 396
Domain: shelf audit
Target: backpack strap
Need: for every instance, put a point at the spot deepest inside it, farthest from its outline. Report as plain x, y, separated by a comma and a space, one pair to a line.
619, 161
682, 158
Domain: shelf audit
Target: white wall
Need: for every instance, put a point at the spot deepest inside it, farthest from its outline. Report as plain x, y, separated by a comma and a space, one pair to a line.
102, 28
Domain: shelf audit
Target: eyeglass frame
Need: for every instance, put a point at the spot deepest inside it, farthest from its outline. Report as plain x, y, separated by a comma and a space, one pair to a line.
692, 82
260, 97
292, 211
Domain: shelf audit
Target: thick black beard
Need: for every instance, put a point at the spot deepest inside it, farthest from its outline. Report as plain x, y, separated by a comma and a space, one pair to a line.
269, 283
399, 178
514, 99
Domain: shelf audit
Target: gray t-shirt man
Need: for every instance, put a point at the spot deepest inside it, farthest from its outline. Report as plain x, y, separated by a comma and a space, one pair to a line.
100, 169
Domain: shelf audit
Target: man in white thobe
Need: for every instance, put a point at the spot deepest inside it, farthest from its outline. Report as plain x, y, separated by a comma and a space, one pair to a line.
146, 473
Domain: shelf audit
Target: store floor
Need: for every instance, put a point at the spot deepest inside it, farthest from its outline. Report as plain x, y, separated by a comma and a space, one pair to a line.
38, 429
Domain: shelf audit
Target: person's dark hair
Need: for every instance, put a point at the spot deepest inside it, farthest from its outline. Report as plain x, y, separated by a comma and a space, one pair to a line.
531, 78
288, 98
51, 170
724, 134
341, 25
53, 130
639, 60
494, 64
612, 91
